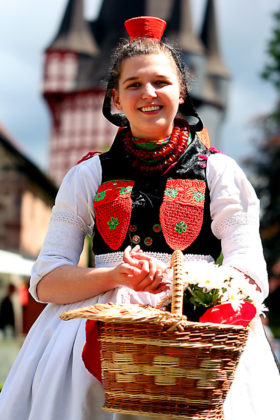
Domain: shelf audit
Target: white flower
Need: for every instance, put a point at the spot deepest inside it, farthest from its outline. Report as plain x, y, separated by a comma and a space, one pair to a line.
229, 284
233, 286
203, 274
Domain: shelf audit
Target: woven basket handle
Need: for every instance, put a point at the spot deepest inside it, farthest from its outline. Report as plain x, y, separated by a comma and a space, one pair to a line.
177, 260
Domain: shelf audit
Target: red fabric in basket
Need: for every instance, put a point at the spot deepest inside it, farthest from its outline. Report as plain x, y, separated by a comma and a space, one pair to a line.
91, 351
225, 314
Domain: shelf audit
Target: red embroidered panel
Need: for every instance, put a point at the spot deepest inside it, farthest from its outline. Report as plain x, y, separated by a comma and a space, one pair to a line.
112, 206
181, 213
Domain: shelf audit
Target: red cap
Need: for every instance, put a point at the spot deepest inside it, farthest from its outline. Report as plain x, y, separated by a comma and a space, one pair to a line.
145, 27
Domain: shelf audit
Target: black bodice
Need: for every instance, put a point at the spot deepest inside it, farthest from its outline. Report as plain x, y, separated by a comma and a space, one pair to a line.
147, 196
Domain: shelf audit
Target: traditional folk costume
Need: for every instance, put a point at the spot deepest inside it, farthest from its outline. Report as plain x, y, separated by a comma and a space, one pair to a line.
200, 203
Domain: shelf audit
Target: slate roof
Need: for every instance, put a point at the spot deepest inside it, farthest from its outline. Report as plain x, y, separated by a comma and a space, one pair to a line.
210, 40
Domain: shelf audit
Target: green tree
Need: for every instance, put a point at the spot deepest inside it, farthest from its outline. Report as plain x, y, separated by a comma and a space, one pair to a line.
271, 70
266, 164
266, 179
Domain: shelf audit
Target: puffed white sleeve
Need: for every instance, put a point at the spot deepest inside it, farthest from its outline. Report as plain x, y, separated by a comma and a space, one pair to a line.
234, 209
71, 220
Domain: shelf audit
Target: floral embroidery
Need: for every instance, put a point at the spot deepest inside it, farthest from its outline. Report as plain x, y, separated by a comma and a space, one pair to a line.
100, 196
113, 223
181, 227
198, 196
132, 228
156, 228
135, 239
125, 190
171, 192
148, 241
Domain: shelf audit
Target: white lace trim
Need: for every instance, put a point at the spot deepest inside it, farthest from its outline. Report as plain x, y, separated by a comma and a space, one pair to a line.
71, 220
114, 258
220, 228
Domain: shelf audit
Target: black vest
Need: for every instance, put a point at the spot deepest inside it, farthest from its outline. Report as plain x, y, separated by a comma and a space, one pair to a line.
147, 196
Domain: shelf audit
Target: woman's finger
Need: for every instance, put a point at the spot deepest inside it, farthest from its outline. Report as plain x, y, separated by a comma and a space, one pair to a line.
136, 249
148, 267
152, 268
154, 282
161, 288
144, 279
130, 270
127, 257
141, 256
126, 253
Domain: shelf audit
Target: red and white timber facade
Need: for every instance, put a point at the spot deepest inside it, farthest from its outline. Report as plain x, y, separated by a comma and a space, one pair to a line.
78, 123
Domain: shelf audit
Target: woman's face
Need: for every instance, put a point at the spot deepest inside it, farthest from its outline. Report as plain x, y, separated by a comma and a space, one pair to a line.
149, 95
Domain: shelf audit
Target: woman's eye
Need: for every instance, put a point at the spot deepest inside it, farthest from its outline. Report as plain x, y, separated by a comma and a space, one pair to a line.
133, 85
161, 82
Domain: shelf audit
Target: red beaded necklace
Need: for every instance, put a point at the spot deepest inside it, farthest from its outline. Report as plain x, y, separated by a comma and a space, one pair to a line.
158, 160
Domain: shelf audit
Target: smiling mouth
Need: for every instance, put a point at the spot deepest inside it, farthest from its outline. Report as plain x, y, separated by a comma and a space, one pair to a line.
150, 108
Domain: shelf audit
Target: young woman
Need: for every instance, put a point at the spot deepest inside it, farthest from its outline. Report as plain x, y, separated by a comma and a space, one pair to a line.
157, 189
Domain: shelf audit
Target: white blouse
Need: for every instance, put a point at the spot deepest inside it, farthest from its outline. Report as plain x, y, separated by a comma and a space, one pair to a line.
51, 353
234, 209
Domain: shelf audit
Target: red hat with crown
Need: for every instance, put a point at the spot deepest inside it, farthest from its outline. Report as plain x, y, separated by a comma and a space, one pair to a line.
145, 27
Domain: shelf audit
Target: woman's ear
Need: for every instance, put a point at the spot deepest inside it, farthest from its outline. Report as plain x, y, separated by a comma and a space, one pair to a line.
116, 99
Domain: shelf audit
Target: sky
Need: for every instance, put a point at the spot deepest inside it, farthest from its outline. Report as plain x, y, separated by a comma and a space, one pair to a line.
28, 26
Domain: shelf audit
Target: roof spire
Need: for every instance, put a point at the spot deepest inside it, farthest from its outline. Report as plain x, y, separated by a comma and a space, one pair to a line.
181, 23
209, 37
74, 33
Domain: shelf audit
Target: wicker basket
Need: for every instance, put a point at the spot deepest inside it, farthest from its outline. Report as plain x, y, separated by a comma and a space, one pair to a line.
156, 363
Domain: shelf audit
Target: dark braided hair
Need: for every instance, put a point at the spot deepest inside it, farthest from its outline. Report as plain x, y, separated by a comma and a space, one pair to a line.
147, 46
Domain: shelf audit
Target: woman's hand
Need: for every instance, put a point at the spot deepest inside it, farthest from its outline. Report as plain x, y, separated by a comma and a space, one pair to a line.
140, 272
133, 255
67, 284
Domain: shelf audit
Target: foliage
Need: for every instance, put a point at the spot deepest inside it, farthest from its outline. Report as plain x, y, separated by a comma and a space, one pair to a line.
271, 70
266, 168
266, 165
266, 162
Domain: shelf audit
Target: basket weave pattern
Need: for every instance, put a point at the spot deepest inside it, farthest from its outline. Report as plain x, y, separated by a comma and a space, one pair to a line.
181, 374
159, 364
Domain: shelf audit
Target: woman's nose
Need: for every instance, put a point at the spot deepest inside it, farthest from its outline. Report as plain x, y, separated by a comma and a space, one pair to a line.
149, 91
